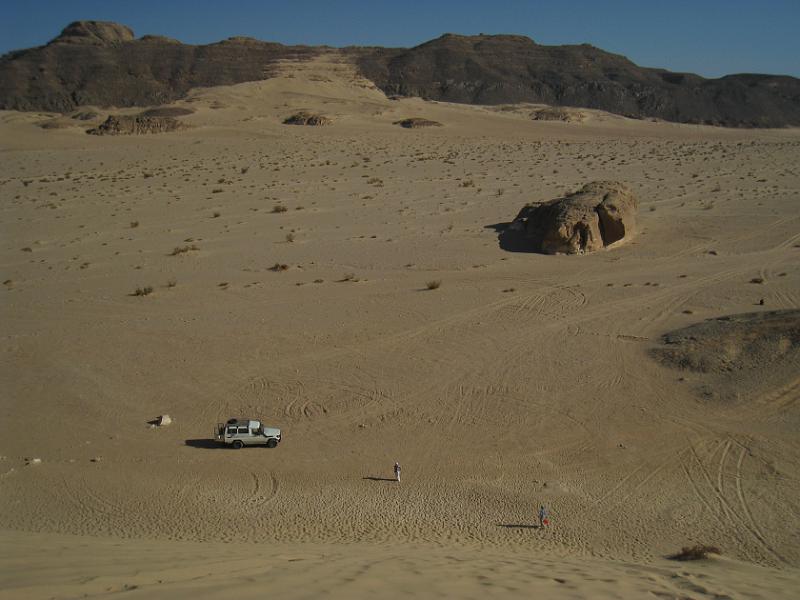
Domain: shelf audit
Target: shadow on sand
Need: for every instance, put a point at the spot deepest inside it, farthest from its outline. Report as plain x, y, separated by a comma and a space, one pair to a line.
511, 240
206, 444
378, 478
517, 526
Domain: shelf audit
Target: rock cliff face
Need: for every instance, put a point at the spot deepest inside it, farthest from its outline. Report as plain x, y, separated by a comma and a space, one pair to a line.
597, 215
102, 64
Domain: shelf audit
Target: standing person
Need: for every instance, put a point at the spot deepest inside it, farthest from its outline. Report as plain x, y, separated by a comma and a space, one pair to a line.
397, 471
542, 517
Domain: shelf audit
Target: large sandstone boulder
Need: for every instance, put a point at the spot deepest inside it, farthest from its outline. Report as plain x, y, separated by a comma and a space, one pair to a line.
136, 124
596, 216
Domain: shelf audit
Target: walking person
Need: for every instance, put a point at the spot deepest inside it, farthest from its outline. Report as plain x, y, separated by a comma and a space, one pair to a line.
397, 471
543, 520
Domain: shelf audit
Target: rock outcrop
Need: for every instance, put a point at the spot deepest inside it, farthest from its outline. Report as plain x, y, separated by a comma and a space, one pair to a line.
598, 215
738, 357
306, 118
558, 113
136, 125
416, 123
96, 33
733, 343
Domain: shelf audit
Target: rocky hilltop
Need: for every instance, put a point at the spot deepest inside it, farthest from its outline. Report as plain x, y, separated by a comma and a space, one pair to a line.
100, 63
103, 64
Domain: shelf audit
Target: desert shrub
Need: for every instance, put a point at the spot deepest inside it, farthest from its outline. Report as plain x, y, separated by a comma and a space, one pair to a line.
143, 291
182, 249
433, 284
279, 208
278, 267
696, 552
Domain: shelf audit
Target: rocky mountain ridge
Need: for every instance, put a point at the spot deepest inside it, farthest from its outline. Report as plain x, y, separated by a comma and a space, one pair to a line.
101, 63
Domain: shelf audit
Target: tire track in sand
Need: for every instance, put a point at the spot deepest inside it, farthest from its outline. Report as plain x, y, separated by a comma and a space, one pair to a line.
746, 506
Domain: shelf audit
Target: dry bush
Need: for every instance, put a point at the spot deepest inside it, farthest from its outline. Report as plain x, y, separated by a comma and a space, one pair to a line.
134, 224
279, 208
278, 267
433, 284
182, 249
696, 552
143, 291
290, 237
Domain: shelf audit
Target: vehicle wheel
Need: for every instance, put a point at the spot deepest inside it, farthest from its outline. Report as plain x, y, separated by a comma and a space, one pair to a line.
237, 444
272, 443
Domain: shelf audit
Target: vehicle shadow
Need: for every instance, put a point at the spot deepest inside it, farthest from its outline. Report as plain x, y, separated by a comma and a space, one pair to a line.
517, 526
206, 444
379, 478
510, 239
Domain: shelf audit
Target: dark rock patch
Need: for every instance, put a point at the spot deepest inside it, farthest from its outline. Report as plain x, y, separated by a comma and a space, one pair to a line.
306, 118
558, 113
739, 356
416, 123
167, 111
136, 125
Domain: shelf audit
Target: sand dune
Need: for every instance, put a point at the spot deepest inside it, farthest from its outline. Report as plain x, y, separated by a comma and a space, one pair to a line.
522, 379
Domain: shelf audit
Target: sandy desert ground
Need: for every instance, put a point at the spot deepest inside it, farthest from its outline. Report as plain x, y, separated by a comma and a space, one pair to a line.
522, 379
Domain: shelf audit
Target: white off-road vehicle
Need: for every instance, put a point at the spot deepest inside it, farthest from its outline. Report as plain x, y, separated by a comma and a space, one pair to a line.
247, 432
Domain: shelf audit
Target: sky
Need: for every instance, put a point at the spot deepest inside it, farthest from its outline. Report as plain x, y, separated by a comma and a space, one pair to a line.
708, 37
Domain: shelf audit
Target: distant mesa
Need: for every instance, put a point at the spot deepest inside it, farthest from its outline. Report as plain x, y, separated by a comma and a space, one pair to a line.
558, 113
307, 118
596, 216
97, 33
136, 125
416, 123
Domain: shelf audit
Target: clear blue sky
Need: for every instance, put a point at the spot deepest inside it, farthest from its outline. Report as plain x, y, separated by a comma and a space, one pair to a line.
709, 37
